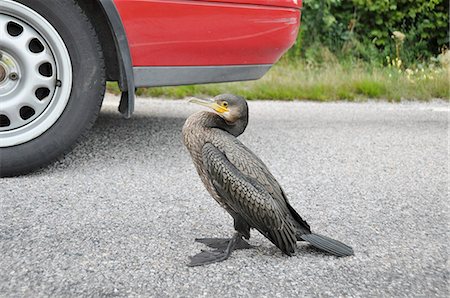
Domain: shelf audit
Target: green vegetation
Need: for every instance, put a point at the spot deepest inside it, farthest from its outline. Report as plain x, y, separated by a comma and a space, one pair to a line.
352, 50
289, 81
362, 30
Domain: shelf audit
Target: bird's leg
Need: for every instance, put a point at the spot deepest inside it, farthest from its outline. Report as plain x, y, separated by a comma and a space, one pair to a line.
218, 254
222, 243
241, 227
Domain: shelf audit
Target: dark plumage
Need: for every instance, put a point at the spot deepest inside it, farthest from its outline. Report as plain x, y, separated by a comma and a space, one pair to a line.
241, 183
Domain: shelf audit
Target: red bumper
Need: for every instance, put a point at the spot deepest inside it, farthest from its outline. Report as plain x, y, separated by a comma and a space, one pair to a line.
205, 33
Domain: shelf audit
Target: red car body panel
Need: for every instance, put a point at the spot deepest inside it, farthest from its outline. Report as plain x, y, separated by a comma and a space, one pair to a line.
208, 33
279, 3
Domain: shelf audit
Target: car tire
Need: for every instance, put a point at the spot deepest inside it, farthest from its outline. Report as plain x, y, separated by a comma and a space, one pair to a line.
52, 81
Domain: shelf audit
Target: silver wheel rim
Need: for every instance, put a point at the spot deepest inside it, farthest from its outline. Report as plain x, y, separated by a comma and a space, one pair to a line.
35, 74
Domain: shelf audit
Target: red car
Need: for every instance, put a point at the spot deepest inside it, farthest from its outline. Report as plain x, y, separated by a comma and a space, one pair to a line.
56, 56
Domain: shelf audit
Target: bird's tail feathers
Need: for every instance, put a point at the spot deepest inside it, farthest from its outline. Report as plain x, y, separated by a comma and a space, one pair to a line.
283, 240
329, 245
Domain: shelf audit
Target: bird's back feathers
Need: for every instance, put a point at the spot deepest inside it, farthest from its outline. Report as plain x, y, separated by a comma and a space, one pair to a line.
247, 197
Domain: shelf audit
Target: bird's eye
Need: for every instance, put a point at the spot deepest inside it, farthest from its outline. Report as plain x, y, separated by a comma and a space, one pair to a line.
224, 104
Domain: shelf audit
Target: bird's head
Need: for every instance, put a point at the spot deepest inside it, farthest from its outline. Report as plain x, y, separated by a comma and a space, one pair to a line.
231, 108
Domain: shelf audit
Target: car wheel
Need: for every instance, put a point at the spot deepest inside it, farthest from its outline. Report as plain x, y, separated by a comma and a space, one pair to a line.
52, 81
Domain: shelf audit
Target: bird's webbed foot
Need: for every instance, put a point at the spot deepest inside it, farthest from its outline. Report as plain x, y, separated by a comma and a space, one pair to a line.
222, 243
222, 250
206, 257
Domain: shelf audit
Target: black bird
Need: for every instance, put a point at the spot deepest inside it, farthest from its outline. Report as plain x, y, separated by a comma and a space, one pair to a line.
241, 183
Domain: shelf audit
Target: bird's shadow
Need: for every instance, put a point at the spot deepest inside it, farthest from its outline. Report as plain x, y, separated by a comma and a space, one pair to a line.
115, 139
265, 248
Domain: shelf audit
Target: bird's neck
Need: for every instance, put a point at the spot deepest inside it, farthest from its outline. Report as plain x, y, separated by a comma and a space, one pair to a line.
199, 128
236, 128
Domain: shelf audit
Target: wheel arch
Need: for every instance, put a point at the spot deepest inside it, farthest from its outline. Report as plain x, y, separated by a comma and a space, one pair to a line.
112, 37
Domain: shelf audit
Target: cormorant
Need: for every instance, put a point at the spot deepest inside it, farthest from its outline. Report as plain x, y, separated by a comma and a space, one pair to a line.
241, 183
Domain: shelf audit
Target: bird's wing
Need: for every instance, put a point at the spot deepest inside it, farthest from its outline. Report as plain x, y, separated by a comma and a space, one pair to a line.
249, 164
250, 199
253, 167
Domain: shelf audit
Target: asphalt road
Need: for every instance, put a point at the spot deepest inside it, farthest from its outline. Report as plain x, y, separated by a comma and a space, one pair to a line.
118, 216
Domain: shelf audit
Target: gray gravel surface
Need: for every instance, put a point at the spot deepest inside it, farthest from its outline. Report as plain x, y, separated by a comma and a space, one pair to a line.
118, 215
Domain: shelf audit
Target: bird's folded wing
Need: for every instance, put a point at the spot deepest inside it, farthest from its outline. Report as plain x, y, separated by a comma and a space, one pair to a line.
250, 199
253, 167
249, 164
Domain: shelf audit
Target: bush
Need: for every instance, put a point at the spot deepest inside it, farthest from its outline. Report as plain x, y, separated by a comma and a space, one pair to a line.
363, 29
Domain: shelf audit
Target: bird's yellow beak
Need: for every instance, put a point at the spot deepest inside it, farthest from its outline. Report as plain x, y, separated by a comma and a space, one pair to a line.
209, 103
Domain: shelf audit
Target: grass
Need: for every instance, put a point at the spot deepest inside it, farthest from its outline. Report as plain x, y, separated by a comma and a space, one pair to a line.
331, 82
